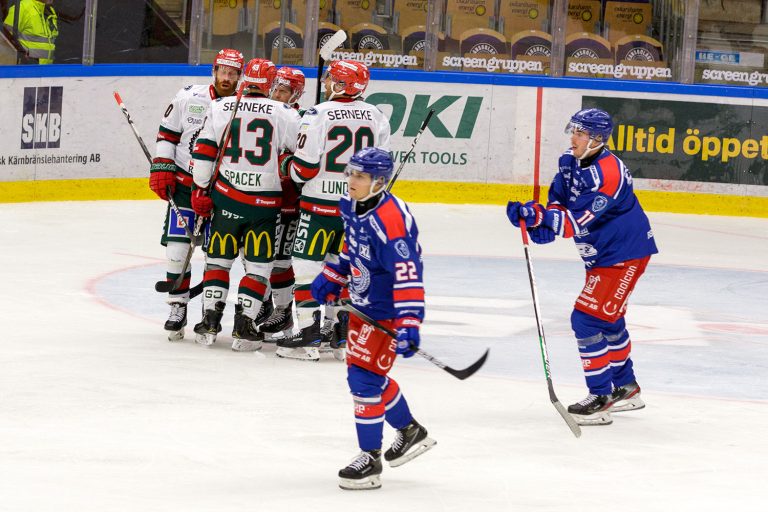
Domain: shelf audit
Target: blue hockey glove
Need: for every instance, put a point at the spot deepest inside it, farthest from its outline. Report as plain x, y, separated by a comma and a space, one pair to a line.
542, 235
327, 286
533, 214
513, 212
408, 338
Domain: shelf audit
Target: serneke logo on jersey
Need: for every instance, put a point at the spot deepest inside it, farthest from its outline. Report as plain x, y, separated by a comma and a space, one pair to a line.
41, 117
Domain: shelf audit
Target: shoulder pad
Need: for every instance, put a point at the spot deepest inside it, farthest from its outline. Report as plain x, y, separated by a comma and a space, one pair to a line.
311, 111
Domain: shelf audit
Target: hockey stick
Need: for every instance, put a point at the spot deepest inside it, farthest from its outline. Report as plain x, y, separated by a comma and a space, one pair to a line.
542, 341
459, 374
124, 109
167, 286
410, 151
326, 52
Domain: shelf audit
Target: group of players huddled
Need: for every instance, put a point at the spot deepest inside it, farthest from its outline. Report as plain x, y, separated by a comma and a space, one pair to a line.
300, 198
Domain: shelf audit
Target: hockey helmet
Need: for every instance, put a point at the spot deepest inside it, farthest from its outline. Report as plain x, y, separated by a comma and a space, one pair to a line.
597, 123
293, 79
259, 74
350, 75
374, 161
230, 58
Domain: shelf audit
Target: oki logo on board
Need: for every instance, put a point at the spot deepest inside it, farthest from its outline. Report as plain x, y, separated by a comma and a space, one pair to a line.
41, 117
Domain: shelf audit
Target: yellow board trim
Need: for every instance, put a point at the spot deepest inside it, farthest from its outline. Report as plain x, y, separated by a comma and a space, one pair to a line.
412, 191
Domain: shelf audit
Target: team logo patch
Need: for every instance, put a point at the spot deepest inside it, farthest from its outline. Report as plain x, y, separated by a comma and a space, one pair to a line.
365, 251
402, 249
175, 226
361, 278
586, 250
599, 203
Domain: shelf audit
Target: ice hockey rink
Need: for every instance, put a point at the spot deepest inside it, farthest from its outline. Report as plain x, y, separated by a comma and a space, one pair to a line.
98, 412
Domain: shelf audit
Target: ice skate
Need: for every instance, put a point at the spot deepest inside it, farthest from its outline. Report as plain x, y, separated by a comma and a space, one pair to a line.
245, 337
176, 321
339, 341
210, 326
410, 442
593, 410
326, 336
304, 345
626, 398
362, 473
279, 324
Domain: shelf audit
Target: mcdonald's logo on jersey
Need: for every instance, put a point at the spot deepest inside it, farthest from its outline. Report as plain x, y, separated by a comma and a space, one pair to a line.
328, 237
257, 243
222, 240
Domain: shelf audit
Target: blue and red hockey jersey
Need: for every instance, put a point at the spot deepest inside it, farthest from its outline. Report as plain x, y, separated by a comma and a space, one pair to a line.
597, 207
382, 258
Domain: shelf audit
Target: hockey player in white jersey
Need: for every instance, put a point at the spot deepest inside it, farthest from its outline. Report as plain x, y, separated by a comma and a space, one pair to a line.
169, 172
245, 199
330, 133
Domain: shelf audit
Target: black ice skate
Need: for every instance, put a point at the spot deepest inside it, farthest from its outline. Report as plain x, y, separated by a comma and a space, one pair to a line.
362, 473
593, 410
176, 321
410, 442
279, 324
245, 337
339, 341
626, 398
304, 345
210, 326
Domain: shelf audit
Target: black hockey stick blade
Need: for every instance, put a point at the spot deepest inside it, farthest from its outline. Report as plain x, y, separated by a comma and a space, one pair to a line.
459, 374
164, 286
196, 290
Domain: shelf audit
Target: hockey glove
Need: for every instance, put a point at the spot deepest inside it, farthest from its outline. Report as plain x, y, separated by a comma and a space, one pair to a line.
327, 286
408, 338
542, 235
201, 202
162, 176
284, 164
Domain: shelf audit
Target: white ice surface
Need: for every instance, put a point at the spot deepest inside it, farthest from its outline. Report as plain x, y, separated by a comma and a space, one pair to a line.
99, 413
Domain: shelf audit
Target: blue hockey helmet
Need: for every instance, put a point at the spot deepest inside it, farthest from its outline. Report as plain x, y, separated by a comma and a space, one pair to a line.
374, 161
597, 123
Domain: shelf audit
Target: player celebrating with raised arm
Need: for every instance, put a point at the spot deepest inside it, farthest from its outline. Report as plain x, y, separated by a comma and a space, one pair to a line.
329, 135
592, 200
245, 201
383, 257
170, 172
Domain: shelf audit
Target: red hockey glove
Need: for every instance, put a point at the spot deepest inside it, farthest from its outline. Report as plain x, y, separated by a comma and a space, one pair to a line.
201, 202
162, 176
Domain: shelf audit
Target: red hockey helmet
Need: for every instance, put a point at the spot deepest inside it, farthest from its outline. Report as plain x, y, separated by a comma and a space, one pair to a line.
260, 73
293, 79
229, 57
350, 75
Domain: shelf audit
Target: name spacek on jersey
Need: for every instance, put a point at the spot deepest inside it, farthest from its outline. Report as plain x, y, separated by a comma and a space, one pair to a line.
260, 131
182, 120
329, 135
598, 208
382, 258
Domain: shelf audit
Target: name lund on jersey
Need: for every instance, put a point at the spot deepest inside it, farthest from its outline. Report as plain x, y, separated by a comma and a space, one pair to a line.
338, 115
334, 187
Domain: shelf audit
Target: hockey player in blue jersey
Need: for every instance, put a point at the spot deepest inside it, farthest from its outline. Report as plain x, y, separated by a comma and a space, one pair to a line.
381, 264
591, 199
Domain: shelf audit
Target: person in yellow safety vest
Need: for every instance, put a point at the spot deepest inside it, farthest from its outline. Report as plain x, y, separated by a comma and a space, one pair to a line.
38, 27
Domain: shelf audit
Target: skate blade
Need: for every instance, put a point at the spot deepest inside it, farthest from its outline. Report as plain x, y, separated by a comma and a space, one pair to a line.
240, 345
299, 353
424, 445
371, 482
176, 335
631, 404
205, 339
596, 419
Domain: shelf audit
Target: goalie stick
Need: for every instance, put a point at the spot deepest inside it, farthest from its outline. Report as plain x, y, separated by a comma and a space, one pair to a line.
459, 374
542, 341
410, 151
176, 209
325, 54
167, 286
